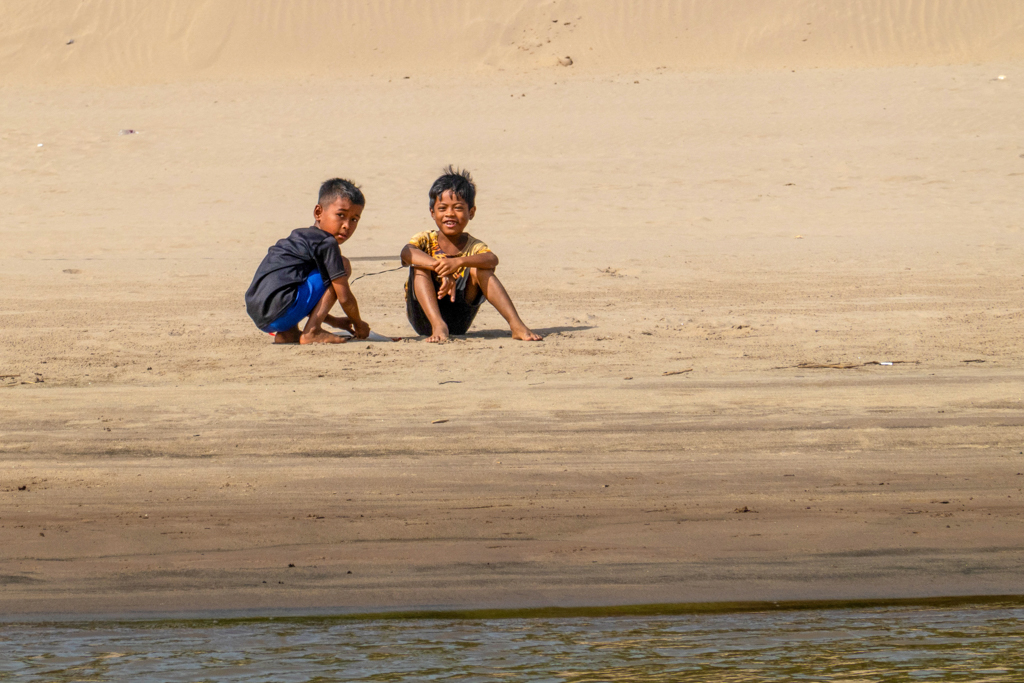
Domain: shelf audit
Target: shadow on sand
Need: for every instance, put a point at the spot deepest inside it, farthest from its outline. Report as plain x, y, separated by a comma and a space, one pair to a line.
500, 333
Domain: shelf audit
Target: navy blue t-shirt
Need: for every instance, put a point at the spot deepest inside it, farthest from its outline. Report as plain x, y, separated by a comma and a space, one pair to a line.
286, 266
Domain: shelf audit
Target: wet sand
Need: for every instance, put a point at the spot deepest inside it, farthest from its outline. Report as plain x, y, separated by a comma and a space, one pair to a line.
655, 490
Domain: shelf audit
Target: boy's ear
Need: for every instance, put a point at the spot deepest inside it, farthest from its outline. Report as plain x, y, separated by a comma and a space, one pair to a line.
317, 212
472, 212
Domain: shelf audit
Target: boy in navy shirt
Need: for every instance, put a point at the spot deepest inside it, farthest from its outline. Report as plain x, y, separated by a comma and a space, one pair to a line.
304, 274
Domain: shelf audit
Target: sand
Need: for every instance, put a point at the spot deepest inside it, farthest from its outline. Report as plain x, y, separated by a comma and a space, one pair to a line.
727, 209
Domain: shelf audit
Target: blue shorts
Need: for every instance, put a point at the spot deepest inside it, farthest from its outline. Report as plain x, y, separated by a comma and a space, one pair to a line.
309, 295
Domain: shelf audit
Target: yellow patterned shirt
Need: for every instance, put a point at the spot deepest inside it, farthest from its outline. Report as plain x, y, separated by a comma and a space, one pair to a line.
426, 242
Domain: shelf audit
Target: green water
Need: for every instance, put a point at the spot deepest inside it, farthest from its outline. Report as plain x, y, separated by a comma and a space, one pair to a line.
854, 645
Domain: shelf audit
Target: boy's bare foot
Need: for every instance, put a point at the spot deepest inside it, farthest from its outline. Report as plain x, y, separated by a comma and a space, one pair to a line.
320, 336
438, 336
287, 337
525, 334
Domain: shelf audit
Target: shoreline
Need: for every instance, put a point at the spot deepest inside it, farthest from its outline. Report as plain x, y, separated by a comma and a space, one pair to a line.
235, 617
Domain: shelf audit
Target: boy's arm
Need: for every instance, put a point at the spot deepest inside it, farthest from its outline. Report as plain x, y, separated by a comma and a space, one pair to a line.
487, 260
349, 304
412, 256
417, 258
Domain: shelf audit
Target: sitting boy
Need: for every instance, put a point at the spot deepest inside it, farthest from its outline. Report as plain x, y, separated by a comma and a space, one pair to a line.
305, 273
451, 271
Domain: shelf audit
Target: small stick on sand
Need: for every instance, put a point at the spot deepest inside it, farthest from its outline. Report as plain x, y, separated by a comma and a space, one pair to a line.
676, 372
847, 366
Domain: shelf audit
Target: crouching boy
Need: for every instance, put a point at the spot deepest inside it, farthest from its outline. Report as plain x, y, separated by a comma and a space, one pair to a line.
451, 271
304, 274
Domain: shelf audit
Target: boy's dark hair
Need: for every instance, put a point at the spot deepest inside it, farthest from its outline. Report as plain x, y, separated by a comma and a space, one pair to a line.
339, 188
457, 181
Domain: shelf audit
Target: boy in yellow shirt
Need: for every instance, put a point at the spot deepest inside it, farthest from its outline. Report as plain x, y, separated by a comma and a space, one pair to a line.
451, 272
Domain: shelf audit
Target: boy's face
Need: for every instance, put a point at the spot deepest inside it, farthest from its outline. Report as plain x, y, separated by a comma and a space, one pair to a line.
340, 218
451, 214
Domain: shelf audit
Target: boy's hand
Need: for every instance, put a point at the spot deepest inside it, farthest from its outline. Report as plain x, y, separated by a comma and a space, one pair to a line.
447, 288
447, 267
360, 329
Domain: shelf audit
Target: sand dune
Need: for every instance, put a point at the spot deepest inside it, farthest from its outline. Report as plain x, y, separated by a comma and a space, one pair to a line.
123, 41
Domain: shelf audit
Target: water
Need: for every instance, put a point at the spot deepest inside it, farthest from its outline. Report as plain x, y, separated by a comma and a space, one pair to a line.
972, 644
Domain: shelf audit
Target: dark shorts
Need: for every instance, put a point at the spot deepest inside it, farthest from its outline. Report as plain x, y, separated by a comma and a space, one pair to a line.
308, 296
458, 314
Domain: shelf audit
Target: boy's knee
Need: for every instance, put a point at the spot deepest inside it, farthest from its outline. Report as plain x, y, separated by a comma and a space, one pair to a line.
478, 274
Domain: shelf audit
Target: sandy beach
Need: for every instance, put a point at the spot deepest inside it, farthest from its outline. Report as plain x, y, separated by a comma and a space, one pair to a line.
778, 267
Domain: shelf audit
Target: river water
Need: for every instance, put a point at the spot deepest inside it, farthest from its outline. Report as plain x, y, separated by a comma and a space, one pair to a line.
968, 644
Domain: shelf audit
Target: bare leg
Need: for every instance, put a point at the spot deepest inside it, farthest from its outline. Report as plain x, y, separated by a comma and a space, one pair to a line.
494, 292
313, 333
426, 295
